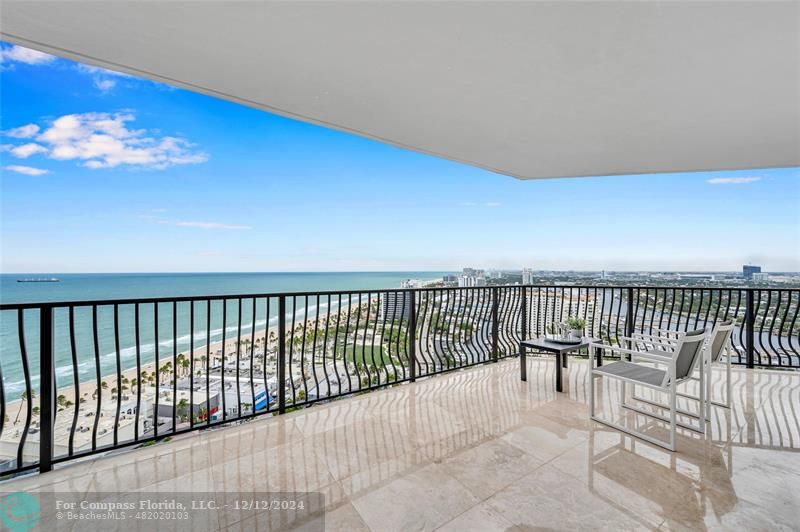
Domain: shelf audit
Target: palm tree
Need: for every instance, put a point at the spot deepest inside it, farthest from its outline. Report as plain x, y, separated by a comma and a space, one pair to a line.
183, 409
23, 397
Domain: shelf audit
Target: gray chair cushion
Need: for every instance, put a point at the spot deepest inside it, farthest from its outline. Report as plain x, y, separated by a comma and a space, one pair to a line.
688, 354
719, 340
634, 372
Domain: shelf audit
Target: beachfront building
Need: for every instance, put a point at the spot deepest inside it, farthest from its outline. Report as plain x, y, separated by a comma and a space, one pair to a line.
395, 305
469, 281
554, 306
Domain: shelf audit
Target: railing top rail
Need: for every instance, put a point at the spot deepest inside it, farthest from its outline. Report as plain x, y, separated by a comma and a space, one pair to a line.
220, 297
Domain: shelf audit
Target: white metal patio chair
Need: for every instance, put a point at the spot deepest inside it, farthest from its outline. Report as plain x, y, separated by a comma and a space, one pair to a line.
719, 342
678, 360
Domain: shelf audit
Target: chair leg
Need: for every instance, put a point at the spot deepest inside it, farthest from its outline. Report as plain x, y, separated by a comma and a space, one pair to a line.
591, 392
672, 414
702, 408
728, 383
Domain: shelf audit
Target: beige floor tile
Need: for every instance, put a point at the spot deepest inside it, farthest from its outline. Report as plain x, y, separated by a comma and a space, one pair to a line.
549, 499
479, 450
422, 500
489, 467
479, 518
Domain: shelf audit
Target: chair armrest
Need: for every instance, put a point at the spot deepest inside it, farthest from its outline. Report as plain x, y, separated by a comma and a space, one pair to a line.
659, 359
652, 338
665, 333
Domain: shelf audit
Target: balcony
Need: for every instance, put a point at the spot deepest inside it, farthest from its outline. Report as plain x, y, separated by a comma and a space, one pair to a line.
244, 389
479, 449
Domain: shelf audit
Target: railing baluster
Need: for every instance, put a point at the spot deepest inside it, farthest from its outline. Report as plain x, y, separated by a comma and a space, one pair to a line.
630, 317
750, 326
75, 379
347, 369
99, 388
238, 357
302, 354
137, 341
208, 361
524, 297
191, 362
314, 349
291, 348
119, 375
224, 357
412, 335
282, 355
47, 383
495, 325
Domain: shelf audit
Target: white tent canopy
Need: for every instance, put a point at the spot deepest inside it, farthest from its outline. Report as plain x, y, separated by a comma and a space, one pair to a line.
529, 89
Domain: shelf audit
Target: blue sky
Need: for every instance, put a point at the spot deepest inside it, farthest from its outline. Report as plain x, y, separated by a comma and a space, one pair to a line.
108, 173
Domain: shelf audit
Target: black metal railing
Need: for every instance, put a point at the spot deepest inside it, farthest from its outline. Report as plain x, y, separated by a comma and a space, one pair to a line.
79, 378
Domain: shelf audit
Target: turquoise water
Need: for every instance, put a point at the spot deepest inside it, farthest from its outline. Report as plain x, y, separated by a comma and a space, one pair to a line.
83, 287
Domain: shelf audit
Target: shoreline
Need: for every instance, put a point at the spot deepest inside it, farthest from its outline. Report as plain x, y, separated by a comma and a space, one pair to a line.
87, 388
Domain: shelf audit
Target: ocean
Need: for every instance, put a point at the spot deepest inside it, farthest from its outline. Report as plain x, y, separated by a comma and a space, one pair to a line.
83, 287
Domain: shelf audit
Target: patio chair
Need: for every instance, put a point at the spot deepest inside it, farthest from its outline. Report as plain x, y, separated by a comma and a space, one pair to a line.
718, 342
678, 358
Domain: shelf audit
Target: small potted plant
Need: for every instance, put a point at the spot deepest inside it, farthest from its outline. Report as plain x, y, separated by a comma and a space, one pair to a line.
576, 326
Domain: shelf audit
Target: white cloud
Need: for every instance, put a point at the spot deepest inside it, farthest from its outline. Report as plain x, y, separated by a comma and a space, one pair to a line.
26, 170
19, 54
732, 180
26, 150
102, 78
103, 140
104, 85
22, 132
494, 204
90, 69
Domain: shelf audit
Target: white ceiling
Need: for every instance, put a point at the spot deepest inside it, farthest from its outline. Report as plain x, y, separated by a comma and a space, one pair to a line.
529, 89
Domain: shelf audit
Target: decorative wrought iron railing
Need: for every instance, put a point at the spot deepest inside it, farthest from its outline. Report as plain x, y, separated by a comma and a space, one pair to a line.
83, 377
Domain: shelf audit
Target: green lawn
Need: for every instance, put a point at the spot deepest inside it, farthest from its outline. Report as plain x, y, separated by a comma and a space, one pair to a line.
356, 356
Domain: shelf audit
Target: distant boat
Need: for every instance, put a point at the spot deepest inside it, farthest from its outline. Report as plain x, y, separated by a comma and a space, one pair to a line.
51, 280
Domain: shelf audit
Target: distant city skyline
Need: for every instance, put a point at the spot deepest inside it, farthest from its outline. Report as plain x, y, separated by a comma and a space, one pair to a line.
104, 172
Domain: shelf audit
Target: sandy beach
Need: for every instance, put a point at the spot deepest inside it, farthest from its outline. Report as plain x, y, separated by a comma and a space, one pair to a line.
87, 388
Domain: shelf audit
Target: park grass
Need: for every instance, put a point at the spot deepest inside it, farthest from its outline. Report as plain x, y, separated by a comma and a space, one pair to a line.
364, 356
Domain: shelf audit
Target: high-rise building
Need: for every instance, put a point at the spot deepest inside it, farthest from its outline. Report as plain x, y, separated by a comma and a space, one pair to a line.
548, 307
527, 276
749, 270
467, 281
395, 305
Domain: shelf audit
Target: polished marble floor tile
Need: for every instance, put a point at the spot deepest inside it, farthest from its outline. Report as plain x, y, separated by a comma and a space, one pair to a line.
480, 450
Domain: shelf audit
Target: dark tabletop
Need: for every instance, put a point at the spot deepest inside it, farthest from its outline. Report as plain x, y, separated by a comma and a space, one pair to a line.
555, 347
